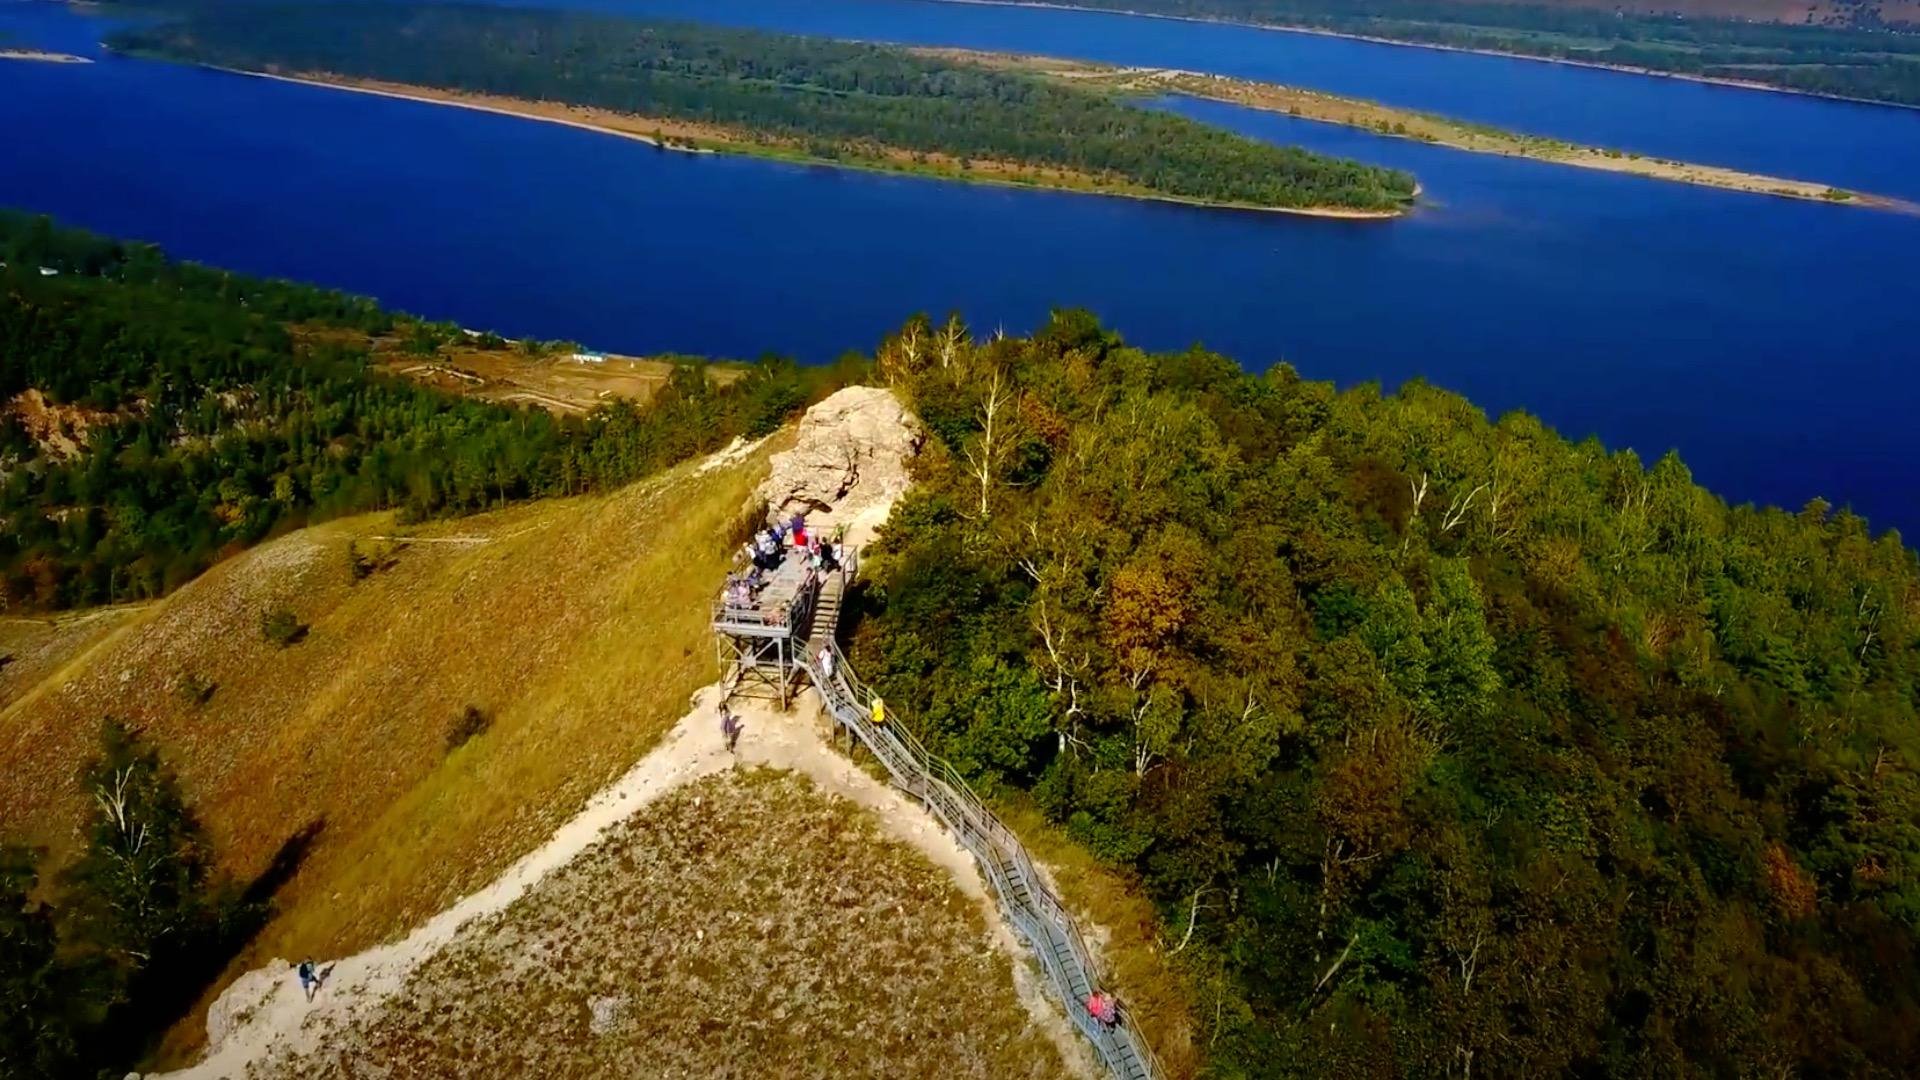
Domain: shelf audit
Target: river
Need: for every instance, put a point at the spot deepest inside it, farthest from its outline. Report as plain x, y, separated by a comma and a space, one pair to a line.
1772, 342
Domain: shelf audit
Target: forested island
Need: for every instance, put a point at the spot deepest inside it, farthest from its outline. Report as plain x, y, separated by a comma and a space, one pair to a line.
1867, 62
1434, 738
1396, 122
745, 91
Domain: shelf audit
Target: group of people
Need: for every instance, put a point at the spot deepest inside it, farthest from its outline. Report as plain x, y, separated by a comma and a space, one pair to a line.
769, 548
743, 590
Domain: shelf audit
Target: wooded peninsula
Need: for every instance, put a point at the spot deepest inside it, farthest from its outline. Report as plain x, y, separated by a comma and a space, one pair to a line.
1864, 61
1395, 122
778, 95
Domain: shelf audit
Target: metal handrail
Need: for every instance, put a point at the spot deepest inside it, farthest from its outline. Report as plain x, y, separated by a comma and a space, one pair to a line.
995, 847
796, 613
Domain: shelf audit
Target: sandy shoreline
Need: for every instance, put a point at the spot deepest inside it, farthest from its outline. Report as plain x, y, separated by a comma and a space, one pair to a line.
38, 56
544, 113
420, 95
1707, 80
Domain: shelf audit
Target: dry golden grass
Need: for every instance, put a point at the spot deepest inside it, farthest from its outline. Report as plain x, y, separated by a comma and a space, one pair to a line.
745, 925
578, 628
509, 376
558, 385
35, 647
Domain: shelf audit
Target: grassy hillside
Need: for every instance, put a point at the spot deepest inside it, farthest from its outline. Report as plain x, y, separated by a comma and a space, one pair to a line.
577, 629
745, 925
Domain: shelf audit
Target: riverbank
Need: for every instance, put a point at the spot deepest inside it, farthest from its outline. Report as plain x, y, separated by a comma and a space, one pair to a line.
696, 138
1395, 122
1407, 43
39, 56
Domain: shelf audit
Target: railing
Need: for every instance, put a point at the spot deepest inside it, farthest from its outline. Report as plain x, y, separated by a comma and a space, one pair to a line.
768, 621
1039, 917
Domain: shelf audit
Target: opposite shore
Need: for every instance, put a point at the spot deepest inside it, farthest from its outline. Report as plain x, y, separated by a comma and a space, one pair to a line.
1282, 28
1394, 122
696, 138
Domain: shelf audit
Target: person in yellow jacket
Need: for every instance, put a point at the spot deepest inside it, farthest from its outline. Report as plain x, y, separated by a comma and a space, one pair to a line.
879, 710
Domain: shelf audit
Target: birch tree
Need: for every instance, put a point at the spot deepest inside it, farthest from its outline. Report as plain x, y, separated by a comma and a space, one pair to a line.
142, 885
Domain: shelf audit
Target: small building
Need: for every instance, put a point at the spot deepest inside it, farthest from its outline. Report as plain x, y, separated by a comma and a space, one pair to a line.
589, 358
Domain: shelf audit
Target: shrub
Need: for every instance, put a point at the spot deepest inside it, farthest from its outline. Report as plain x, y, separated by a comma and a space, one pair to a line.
193, 688
470, 723
281, 627
365, 562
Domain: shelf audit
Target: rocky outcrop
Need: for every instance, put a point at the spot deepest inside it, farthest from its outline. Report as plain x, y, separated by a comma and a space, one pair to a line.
849, 460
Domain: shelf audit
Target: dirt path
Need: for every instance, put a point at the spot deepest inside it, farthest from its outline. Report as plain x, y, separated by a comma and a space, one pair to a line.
264, 1017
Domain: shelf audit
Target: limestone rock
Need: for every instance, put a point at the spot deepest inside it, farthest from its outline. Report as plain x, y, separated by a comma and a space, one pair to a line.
851, 456
604, 1013
247, 993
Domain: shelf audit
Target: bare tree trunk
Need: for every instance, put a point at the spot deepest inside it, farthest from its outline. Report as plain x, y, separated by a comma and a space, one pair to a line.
1344, 953
983, 459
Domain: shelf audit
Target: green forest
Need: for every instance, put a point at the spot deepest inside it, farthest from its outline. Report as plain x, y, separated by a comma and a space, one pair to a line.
838, 101
1446, 746
209, 427
1866, 61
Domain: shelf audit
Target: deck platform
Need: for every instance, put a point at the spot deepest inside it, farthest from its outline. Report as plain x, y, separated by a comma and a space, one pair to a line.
759, 641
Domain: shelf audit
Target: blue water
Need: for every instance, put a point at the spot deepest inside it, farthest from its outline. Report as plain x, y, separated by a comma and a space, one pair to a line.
1770, 341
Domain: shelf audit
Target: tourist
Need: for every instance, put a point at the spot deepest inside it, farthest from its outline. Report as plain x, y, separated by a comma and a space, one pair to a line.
1103, 1008
878, 710
729, 728
826, 662
309, 979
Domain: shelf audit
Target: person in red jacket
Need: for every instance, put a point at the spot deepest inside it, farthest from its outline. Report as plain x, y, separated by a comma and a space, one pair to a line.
1102, 1007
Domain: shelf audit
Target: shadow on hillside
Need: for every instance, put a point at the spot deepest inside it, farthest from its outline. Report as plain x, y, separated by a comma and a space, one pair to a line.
285, 863
164, 992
